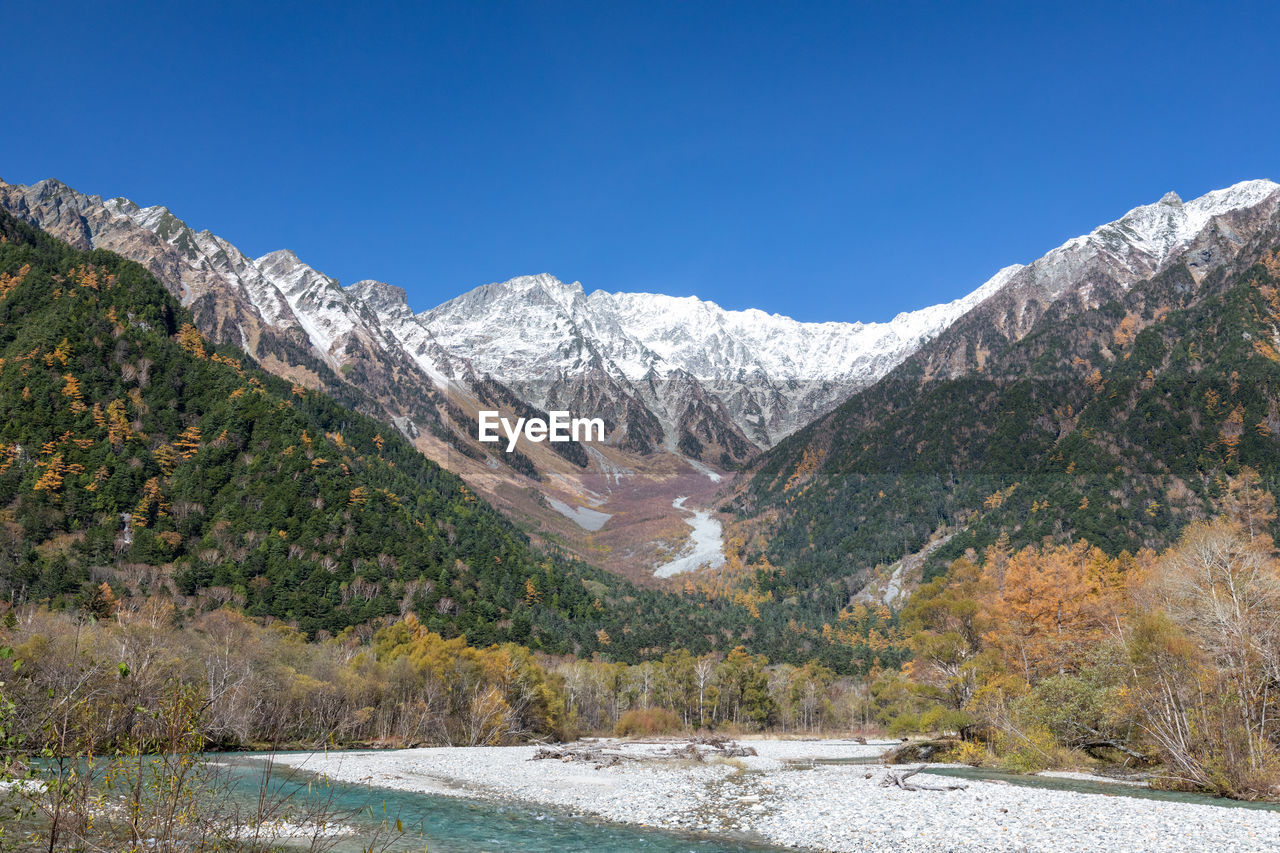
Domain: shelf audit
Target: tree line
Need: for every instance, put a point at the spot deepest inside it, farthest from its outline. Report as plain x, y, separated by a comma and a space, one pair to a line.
1061, 654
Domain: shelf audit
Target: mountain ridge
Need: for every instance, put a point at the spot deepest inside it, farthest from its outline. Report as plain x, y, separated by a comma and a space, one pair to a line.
678, 379
287, 293
1111, 410
137, 459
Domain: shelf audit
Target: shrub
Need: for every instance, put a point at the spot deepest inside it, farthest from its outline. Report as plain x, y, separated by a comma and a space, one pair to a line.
940, 719
970, 752
905, 723
1030, 751
647, 721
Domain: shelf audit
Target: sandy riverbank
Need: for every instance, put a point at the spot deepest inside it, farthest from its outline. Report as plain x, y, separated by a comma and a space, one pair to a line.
823, 807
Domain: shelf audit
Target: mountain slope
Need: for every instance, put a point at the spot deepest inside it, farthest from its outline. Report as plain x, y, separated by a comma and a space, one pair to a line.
681, 383
771, 374
688, 391
133, 452
1113, 415
637, 341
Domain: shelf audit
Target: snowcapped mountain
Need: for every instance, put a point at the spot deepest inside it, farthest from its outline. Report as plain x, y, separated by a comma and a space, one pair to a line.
770, 373
709, 386
1203, 233
674, 372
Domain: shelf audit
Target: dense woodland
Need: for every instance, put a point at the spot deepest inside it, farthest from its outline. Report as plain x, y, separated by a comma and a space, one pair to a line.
99, 683
1045, 655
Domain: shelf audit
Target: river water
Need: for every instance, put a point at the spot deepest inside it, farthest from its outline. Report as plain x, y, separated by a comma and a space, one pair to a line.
456, 825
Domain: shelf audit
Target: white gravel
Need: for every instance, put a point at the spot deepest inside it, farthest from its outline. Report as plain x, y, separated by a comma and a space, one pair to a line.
780, 797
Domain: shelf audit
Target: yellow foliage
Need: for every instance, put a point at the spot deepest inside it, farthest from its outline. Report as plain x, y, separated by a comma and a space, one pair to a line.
809, 460
188, 442
1048, 606
972, 753
152, 501
10, 455
190, 339
997, 499
51, 479
1232, 428
99, 477
72, 387
167, 458
91, 277
531, 594
9, 282
118, 427
1126, 331
60, 354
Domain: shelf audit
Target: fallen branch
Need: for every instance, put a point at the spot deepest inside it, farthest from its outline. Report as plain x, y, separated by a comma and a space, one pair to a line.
900, 779
1113, 744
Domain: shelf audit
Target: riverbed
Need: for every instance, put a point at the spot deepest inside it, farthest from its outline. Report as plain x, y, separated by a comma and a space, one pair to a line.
450, 822
705, 547
786, 797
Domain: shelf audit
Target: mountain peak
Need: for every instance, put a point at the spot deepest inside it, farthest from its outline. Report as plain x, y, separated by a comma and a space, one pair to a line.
382, 297
540, 281
279, 256
1171, 197
50, 185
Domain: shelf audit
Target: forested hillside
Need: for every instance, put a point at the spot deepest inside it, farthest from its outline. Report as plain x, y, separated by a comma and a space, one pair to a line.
137, 459
1117, 423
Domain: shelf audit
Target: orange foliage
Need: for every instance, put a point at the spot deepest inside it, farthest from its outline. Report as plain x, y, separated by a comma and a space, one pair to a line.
1126, 331
51, 479
190, 339
118, 427
152, 501
9, 282
808, 462
188, 442
1047, 607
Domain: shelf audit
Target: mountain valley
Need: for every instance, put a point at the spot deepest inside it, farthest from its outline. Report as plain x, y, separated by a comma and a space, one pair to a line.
690, 393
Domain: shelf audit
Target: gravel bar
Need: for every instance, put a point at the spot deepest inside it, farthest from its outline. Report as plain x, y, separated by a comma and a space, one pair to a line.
780, 797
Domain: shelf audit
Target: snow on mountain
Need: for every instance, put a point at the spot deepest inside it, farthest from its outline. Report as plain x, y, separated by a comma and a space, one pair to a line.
1202, 233
772, 373
1155, 232
711, 343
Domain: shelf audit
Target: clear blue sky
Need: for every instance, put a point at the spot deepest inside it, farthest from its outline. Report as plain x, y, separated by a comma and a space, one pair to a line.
829, 161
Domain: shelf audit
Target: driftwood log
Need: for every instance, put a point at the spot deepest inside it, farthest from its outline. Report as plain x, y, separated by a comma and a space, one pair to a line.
1113, 744
926, 750
605, 755
594, 756
899, 778
723, 746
